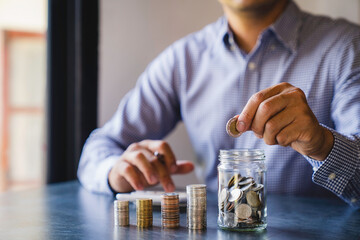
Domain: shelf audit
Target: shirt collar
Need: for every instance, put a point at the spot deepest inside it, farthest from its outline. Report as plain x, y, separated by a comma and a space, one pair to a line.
285, 28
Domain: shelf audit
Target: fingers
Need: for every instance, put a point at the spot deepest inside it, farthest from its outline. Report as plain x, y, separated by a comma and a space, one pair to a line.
274, 126
138, 167
246, 117
164, 176
150, 167
124, 177
140, 159
184, 167
281, 115
164, 149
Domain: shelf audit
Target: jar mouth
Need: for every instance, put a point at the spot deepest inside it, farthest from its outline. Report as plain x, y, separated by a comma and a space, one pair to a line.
242, 154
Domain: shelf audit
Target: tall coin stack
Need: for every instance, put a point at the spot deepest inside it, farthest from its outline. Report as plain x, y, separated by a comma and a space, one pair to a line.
196, 206
144, 213
170, 217
121, 213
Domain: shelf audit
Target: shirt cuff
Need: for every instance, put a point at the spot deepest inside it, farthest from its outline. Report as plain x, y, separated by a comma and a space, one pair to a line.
98, 181
339, 167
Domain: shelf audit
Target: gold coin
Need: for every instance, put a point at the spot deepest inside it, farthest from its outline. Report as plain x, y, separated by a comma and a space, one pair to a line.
231, 127
252, 199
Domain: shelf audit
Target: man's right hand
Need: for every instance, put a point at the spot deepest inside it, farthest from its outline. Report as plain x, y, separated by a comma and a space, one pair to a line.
138, 167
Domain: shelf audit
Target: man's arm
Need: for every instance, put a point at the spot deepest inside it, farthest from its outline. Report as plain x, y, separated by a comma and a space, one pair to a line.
149, 111
340, 171
280, 115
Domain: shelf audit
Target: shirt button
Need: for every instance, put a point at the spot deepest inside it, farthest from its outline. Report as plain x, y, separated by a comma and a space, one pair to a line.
331, 176
272, 47
252, 65
353, 200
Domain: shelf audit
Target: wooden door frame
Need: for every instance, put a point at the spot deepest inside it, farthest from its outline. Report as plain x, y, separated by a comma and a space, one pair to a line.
8, 36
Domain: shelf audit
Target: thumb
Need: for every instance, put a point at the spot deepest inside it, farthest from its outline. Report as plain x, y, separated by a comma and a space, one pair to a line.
184, 166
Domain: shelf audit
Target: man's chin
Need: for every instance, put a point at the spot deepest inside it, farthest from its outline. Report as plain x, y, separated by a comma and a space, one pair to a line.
250, 5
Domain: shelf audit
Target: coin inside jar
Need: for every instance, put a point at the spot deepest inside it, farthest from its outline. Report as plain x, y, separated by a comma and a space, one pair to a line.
246, 181
223, 195
243, 211
235, 195
231, 127
257, 187
252, 199
229, 206
234, 180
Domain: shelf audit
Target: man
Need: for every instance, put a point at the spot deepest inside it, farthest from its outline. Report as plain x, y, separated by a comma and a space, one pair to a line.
292, 78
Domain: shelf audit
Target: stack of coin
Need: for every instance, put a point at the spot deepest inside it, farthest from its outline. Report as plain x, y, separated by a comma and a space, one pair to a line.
170, 217
121, 213
196, 206
144, 213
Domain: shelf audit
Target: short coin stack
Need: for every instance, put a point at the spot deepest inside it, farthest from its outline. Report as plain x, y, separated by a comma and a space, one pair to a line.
121, 213
170, 217
196, 206
144, 213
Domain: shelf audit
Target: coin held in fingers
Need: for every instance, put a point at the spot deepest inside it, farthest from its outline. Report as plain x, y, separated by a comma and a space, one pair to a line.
231, 128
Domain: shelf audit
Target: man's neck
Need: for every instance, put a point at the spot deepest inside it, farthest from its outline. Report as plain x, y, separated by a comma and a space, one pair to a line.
248, 25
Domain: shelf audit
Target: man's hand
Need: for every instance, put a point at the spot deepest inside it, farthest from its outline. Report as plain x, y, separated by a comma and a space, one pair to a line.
280, 115
138, 167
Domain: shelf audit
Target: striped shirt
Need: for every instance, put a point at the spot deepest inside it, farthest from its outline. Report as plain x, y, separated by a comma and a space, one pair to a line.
205, 79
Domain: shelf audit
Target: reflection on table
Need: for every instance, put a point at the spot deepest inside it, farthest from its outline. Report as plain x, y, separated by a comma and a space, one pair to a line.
67, 211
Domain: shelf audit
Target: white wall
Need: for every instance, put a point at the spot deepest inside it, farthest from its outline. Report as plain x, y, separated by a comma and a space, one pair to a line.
133, 32
348, 9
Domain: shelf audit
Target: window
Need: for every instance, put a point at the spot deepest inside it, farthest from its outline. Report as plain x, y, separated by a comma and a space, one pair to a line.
22, 92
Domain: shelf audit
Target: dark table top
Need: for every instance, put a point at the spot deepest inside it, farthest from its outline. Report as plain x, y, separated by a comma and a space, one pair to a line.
67, 211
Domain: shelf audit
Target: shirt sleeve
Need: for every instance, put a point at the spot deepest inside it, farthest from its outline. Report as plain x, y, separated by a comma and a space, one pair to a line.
340, 171
149, 111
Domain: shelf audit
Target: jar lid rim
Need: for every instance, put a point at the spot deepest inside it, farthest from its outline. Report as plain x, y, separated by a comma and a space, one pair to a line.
243, 150
242, 154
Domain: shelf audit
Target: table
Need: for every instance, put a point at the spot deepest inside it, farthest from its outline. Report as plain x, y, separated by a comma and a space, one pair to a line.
67, 211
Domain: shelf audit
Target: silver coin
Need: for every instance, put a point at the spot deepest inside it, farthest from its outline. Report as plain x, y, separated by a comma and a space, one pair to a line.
196, 206
235, 195
243, 211
231, 128
224, 194
245, 188
246, 181
257, 187
195, 186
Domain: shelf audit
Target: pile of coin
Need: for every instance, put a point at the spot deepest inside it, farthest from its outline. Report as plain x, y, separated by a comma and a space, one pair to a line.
121, 213
240, 203
144, 213
196, 206
170, 216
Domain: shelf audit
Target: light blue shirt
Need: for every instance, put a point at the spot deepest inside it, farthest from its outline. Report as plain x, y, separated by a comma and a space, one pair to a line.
204, 79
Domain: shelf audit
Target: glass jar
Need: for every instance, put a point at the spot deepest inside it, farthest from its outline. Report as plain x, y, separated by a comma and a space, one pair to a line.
242, 190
